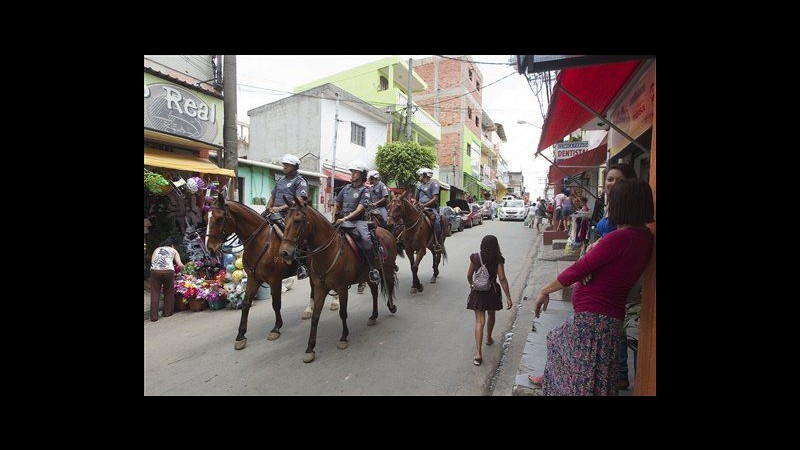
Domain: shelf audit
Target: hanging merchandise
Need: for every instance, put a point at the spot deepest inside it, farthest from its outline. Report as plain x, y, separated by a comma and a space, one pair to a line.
156, 183
195, 184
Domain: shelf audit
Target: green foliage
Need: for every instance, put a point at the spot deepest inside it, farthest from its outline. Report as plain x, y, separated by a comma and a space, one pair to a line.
399, 161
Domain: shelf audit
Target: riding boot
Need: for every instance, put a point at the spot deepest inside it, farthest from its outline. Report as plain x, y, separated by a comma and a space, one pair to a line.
437, 237
374, 275
302, 272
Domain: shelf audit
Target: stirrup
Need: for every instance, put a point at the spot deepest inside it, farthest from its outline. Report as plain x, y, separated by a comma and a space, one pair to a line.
437, 247
302, 273
374, 276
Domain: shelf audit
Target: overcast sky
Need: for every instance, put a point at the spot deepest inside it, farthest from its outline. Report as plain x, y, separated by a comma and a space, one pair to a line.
265, 79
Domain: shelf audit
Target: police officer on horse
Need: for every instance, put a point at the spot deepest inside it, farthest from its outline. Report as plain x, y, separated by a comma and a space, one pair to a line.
428, 198
291, 184
379, 194
352, 201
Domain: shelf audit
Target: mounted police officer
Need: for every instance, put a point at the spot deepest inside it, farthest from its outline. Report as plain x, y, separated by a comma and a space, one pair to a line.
428, 197
379, 194
291, 184
352, 201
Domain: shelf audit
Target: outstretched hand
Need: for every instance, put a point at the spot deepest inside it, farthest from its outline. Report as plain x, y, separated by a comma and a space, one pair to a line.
541, 303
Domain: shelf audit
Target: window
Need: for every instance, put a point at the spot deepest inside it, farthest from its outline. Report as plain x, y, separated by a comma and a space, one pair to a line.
469, 111
476, 122
384, 84
470, 74
357, 134
478, 86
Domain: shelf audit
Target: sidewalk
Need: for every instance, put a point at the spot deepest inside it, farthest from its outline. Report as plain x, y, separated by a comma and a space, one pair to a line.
546, 266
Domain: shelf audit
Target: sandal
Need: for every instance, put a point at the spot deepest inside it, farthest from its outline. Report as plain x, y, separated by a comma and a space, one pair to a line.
477, 361
536, 381
489, 341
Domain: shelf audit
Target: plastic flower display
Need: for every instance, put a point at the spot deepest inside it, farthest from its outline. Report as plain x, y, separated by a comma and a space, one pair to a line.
195, 184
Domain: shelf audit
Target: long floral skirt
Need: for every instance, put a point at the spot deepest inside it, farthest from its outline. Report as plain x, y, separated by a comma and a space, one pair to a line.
582, 356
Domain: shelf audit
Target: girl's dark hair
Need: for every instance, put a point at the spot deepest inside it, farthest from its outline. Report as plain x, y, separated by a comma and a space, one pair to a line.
168, 241
631, 203
490, 253
626, 169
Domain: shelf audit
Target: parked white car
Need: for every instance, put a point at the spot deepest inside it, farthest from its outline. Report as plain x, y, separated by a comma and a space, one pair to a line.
513, 210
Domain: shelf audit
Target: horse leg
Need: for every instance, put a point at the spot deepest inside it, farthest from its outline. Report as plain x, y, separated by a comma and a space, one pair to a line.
415, 279
420, 255
319, 302
436, 258
310, 308
249, 295
374, 289
343, 315
275, 290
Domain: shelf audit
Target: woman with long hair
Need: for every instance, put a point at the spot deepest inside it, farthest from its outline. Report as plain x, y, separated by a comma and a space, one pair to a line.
582, 352
483, 302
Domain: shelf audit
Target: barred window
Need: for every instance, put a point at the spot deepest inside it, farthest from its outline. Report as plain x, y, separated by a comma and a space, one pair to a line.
357, 134
384, 84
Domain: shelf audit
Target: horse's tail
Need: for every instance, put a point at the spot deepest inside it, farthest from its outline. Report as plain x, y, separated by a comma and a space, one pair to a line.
389, 285
444, 250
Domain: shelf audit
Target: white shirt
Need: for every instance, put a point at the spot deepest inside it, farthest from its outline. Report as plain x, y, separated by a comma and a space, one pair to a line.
163, 258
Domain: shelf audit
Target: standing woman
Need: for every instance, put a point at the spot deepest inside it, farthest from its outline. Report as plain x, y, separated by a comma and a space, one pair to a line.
582, 352
483, 302
162, 274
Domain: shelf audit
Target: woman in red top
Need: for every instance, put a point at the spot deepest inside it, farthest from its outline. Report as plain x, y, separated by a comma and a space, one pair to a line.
582, 353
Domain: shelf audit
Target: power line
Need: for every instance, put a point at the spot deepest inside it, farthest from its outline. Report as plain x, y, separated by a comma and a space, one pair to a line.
476, 62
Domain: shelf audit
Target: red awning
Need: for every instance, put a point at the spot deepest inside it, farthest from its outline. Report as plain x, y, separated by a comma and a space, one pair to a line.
595, 85
580, 163
339, 175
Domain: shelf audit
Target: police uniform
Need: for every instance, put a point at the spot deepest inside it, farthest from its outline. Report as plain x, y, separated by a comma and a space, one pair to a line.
289, 187
378, 192
350, 197
425, 193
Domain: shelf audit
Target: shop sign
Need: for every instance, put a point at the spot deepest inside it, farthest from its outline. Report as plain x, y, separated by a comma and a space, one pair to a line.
179, 111
566, 150
634, 113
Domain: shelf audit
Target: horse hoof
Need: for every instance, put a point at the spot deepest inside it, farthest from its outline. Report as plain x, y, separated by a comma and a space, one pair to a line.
240, 344
413, 290
371, 322
420, 288
433, 280
334, 306
308, 357
273, 335
342, 345
393, 309
307, 314
396, 269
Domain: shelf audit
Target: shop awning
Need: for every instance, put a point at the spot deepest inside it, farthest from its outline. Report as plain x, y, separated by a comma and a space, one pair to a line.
341, 176
158, 158
594, 85
577, 164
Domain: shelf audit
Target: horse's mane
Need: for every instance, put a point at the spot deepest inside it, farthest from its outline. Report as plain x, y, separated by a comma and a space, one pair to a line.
247, 208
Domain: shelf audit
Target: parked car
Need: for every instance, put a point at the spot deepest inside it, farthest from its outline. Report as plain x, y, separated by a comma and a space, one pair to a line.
513, 210
477, 213
454, 218
465, 210
486, 210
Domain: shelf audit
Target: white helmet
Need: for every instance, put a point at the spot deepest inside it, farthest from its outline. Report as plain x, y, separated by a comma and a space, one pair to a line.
426, 171
373, 173
358, 165
290, 159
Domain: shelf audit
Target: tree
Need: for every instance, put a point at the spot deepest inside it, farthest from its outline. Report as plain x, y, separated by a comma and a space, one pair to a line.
399, 161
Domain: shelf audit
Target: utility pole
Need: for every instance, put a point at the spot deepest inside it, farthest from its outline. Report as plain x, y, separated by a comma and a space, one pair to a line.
333, 153
230, 153
410, 103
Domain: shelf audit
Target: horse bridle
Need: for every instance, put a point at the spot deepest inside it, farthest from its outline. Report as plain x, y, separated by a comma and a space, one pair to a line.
410, 227
227, 215
317, 250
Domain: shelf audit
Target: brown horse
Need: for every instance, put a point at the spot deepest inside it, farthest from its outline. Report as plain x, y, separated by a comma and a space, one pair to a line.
416, 235
334, 266
261, 260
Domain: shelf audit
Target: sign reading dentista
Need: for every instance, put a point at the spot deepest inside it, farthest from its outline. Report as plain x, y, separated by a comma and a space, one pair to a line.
177, 110
566, 150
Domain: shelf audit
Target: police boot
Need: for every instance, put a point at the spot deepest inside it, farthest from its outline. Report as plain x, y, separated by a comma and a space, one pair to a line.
302, 272
374, 275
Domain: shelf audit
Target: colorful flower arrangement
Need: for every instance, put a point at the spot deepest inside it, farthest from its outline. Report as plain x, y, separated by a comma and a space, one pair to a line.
154, 182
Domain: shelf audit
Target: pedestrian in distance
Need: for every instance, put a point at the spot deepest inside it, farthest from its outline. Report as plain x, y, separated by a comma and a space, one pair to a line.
162, 275
486, 302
